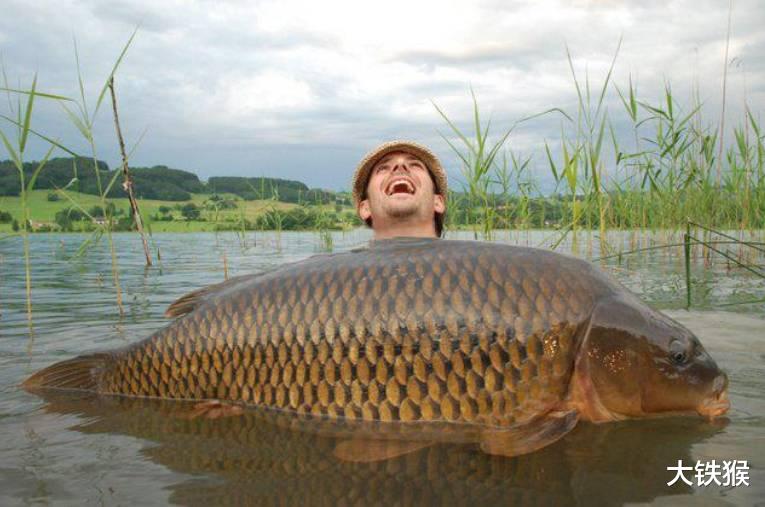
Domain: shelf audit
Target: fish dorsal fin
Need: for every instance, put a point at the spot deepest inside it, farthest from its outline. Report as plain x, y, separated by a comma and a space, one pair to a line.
528, 437
189, 302
361, 450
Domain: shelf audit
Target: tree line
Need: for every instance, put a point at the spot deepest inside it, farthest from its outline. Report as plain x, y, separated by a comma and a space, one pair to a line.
158, 182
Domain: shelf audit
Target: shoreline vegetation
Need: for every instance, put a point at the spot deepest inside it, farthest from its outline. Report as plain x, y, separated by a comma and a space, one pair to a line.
670, 169
199, 213
670, 166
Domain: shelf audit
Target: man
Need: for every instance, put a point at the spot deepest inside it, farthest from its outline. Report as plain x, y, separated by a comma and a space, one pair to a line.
399, 190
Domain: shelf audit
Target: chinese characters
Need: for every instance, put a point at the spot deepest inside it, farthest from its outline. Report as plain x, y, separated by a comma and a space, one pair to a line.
727, 473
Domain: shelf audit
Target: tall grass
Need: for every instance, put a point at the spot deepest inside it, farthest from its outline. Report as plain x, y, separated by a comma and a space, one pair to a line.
273, 218
83, 119
481, 172
656, 174
324, 222
17, 151
477, 164
241, 232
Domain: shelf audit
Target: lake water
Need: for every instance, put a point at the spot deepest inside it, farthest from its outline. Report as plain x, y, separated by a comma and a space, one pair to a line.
77, 449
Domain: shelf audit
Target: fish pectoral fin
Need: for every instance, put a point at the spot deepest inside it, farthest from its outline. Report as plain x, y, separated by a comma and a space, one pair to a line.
367, 450
529, 437
213, 409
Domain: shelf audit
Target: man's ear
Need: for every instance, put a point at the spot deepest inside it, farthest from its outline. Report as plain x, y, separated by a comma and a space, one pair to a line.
438, 203
364, 211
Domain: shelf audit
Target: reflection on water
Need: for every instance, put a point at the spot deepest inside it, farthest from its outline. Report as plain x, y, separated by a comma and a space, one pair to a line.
254, 457
67, 449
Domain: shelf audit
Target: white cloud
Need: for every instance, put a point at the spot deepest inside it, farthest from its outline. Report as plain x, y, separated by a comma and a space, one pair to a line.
270, 91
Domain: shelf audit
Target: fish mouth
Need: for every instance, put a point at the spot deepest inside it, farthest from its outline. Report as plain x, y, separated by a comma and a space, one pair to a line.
400, 185
716, 406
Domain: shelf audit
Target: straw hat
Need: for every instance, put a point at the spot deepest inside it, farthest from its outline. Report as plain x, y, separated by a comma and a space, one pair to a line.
364, 169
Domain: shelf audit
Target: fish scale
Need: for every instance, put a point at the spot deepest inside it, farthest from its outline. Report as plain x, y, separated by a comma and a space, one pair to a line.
427, 334
377, 337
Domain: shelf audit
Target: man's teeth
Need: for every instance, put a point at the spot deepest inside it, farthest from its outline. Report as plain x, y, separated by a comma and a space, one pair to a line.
400, 186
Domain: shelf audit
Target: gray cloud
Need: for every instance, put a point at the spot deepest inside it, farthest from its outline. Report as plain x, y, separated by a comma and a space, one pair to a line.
302, 91
129, 14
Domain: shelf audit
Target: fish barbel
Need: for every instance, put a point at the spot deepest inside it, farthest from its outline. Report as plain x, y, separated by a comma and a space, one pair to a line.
442, 340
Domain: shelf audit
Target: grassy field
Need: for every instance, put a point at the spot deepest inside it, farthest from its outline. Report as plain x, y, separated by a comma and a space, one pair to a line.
43, 211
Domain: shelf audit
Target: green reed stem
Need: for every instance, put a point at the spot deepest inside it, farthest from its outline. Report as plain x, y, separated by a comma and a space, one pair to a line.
687, 254
23, 128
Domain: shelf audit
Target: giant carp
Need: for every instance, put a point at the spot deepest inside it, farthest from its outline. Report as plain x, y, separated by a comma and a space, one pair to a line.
416, 341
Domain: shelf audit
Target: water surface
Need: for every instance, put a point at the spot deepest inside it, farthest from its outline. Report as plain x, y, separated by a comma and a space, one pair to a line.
71, 449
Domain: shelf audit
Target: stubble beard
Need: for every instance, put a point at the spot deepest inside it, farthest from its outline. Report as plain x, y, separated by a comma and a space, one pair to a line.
407, 210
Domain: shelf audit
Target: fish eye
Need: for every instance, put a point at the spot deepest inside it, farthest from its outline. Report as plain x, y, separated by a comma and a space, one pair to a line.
677, 352
678, 357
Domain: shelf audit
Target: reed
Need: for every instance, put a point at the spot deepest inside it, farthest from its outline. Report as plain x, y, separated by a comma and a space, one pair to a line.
241, 232
659, 175
128, 181
652, 176
274, 219
476, 165
324, 222
17, 151
83, 119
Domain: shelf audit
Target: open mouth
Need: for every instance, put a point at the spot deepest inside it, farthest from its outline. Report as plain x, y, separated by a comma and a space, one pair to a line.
400, 186
715, 407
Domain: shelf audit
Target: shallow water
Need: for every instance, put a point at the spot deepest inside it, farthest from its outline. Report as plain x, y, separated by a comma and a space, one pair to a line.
69, 450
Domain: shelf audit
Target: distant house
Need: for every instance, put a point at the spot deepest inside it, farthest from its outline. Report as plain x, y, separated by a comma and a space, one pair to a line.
41, 226
99, 220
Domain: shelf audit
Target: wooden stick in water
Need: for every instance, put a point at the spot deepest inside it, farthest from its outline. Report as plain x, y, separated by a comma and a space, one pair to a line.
128, 183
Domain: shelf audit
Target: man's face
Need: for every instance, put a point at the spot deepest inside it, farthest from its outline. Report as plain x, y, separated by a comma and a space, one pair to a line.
400, 188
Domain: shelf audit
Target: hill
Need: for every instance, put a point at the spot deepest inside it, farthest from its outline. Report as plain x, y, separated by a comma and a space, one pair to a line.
157, 183
267, 188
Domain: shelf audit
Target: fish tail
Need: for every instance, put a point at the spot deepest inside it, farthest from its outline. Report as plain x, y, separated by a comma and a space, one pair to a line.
81, 373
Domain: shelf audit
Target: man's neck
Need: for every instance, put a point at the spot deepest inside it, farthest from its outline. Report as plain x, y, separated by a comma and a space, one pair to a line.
406, 231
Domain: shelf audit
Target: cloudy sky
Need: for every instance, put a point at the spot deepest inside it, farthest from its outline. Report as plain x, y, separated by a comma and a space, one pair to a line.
302, 89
